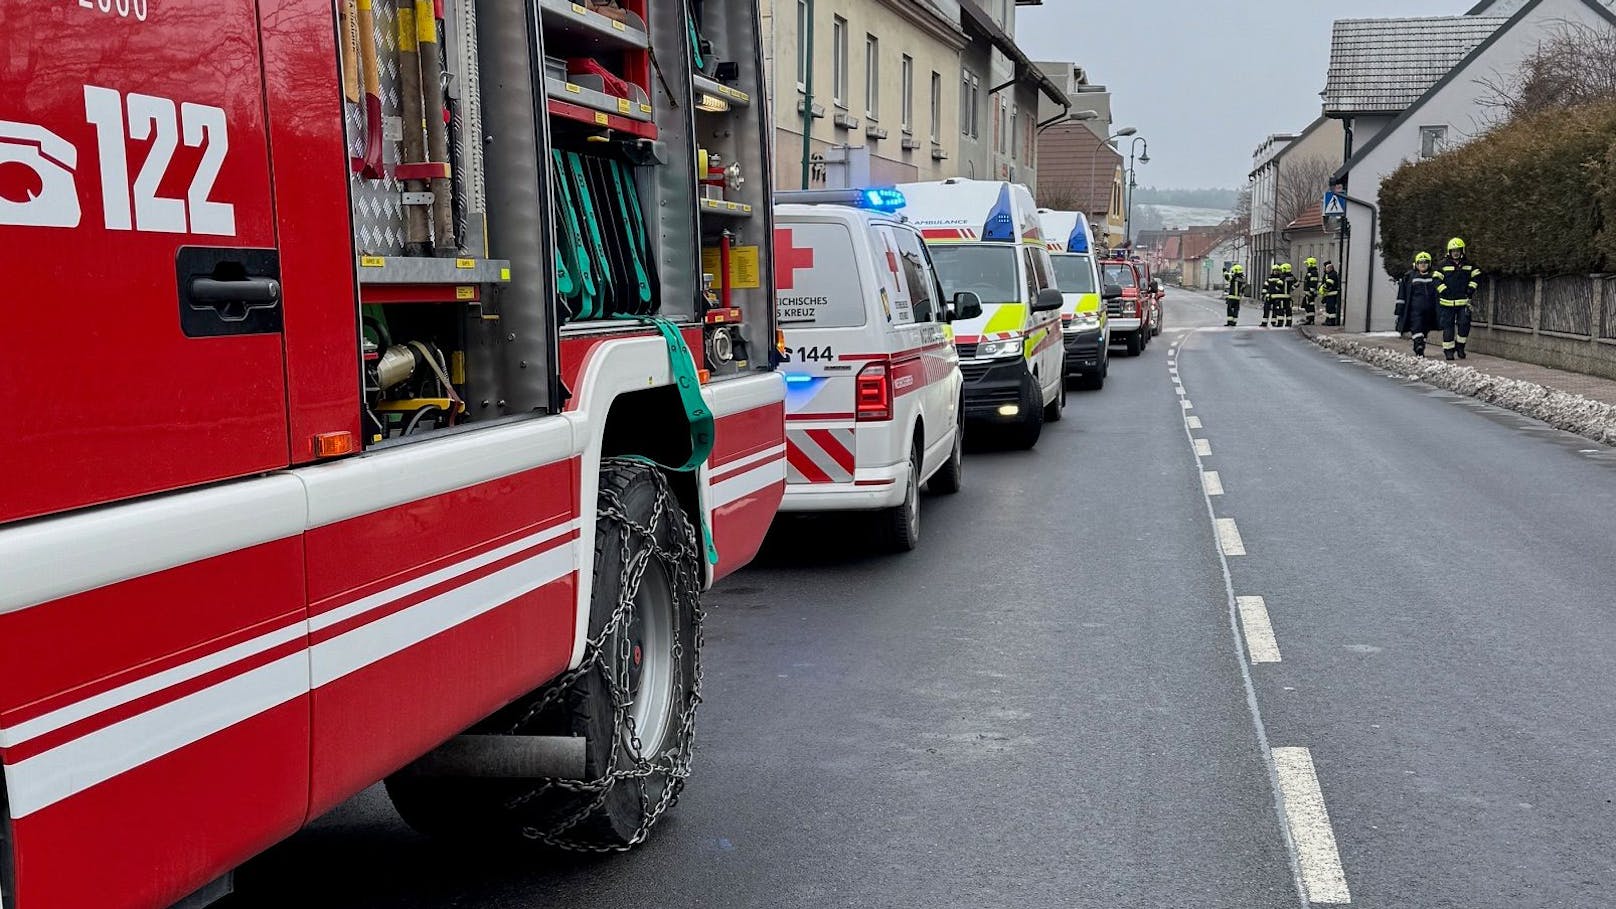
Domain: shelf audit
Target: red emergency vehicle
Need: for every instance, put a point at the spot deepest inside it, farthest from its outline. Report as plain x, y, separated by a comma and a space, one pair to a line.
355, 429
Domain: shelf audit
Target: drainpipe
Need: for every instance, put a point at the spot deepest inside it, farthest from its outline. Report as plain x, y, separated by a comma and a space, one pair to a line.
808, 97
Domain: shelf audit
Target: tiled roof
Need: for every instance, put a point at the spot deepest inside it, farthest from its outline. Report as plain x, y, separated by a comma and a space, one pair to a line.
1311, 219
1076, 169
1384, 65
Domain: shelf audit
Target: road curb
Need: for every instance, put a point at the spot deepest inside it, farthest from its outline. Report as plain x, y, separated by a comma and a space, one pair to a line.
1560, 409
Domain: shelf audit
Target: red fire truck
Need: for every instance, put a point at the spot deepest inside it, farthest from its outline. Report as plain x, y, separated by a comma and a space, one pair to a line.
357, 432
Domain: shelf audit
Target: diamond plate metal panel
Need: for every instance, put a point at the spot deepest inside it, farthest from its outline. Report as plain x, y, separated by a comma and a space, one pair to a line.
377, 208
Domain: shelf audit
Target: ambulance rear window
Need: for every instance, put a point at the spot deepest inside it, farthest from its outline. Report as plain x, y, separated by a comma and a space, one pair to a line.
816, 277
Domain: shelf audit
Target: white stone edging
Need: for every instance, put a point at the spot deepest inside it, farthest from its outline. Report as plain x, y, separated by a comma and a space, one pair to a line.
1562, 410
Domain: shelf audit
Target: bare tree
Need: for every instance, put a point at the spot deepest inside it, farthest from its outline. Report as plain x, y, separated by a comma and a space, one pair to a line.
1301, 186
1574, 64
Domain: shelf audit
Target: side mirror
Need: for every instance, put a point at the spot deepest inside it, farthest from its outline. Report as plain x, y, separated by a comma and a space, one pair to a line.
1111, 292
1048, 300
965, 305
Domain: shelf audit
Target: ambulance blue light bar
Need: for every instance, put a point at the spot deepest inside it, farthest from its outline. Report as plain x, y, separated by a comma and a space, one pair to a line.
1078, 242
879, 199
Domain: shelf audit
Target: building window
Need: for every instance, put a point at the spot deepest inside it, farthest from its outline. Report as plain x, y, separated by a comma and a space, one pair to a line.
1015, 131
803, 25
906, 84
872, 77
1432, 140
970, 105
838, 61
936, 107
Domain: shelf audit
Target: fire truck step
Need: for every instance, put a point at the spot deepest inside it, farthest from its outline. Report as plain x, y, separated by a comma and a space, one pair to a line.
504, 757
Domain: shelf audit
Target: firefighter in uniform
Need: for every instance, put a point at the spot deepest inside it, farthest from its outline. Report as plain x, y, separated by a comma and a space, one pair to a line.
1330, 293
1310, 291
1236, 289
1273, 292
1416, 301
1290, 294
1456, 284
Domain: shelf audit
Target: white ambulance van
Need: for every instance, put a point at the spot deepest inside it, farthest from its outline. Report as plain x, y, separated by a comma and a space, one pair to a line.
874, 404
1085, 330
985, 238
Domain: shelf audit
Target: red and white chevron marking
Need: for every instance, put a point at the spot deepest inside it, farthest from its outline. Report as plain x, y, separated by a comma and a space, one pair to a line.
820, 455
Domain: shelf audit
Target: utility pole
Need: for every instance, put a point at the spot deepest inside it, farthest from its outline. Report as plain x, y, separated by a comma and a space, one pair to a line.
807, 94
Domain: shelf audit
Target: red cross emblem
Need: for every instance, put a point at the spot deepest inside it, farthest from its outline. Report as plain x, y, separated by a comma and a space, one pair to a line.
789, 258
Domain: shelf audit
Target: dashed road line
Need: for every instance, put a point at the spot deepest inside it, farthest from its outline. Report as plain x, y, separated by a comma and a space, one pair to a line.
1229, 538
1258, 727
1203, 448
1316, 854
1186, 403
1261, 645
1195, 422
1212, 483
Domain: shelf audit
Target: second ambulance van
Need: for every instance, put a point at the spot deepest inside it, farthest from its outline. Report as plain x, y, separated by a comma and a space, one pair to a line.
1084, 327
985, 239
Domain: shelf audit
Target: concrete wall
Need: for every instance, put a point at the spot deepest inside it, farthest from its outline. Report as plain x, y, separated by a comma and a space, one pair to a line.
1457, 106
1566, 323
921, 31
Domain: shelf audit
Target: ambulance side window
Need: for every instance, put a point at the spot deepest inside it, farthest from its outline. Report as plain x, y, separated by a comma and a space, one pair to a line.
923, 288
1030, 275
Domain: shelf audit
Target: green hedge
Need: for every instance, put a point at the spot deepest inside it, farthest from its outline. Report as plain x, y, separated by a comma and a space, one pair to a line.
1530, 197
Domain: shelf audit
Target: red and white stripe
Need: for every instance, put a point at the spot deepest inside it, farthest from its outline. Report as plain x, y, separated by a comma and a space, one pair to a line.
947, 234
815, 456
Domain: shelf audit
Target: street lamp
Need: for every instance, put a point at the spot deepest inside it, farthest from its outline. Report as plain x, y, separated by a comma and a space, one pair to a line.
1069, 116
1132, 182
1125, 131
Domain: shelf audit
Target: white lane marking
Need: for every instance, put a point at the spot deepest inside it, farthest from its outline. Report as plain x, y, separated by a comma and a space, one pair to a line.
1253, 709
1309, 823
1186, 403
1212, 483
1195, 422
1229, 538
1203, 448
1260, 641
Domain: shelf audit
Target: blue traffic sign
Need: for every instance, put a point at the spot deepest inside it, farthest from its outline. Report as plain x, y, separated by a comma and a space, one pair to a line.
1334, 204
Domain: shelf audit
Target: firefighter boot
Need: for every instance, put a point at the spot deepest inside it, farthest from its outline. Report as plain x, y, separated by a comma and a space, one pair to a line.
1448, 353
1419, 345
1460, 350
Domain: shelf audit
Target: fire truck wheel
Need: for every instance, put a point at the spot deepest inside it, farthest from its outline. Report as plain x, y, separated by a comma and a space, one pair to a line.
1136, 343
951, 476
633, 698
899, 525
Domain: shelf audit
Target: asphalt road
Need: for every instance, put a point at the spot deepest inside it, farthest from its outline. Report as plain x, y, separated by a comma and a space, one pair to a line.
1050, 705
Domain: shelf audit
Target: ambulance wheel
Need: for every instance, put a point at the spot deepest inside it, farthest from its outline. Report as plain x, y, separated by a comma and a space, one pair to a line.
949, 478
1026, 433
1053, 411
1136, 343
899, 525
632, 699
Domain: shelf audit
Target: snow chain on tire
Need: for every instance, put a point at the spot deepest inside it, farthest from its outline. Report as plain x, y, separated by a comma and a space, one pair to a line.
626, 764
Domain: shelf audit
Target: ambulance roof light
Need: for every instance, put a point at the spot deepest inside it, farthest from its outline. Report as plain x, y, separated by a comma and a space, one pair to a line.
884, 199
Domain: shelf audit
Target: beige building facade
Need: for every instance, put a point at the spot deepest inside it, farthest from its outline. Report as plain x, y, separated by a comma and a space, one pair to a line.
885, 81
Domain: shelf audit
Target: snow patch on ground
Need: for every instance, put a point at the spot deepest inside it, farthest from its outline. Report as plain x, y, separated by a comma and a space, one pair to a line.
1562, 410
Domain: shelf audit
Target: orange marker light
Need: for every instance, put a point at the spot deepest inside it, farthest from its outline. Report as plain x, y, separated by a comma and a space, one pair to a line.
334, 444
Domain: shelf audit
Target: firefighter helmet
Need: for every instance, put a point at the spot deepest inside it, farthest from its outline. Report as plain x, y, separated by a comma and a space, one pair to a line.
1237, 270
1456, 243
1312, 262
1285, 268
1422, 257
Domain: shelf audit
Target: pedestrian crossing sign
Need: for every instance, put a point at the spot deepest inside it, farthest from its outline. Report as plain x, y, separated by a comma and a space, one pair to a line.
1334, 204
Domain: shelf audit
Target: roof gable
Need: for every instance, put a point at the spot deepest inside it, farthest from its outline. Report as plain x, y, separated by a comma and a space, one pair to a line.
1384, 65
1605, 8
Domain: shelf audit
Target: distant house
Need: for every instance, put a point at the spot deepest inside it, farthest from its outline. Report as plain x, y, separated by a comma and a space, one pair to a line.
1079, 171
1409, 88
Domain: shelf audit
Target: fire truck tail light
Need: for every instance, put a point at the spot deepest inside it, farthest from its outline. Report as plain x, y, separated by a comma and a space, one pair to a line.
873, 393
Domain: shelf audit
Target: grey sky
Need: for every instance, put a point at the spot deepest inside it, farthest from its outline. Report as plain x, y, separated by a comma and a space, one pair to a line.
1204, 81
